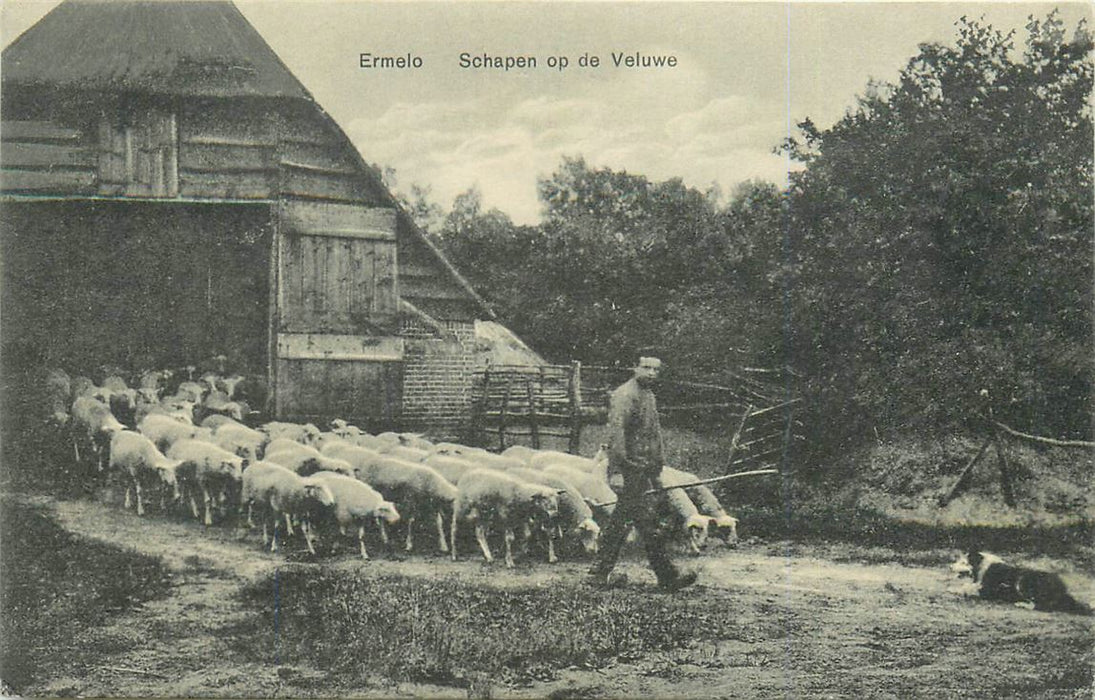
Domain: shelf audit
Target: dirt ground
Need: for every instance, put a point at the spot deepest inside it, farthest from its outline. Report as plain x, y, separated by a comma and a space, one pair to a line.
872, 630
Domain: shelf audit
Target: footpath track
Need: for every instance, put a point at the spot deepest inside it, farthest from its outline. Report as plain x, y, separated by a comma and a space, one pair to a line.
843, 611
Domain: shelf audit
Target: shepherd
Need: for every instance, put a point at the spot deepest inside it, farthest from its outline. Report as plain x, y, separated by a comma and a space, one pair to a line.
635, 461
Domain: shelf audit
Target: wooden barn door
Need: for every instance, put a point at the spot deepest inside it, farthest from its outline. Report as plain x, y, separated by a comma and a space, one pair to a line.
336, 352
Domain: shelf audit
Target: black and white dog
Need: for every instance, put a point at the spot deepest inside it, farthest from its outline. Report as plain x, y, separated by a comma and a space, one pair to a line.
994, 579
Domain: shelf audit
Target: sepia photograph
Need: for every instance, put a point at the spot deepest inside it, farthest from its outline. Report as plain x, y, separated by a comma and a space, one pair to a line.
516, 349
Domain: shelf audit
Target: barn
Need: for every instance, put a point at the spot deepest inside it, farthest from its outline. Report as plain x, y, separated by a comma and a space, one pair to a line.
171, 192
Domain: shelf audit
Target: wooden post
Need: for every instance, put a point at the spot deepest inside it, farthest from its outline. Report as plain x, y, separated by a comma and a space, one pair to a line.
534, 427
1005, 469
272, 409
964, 479
574, 390
737, 436
502, 415
788, 438
479, 413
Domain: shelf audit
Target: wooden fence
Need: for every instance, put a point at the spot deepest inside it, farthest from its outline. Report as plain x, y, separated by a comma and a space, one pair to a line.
533, 403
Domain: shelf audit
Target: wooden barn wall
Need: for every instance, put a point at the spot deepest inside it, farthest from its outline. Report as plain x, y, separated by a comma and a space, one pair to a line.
134, 146
135, 284
368, 393
337, 308
426, 283
39, 156
338, 268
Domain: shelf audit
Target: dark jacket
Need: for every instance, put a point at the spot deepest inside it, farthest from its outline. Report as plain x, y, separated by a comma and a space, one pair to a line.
634, 433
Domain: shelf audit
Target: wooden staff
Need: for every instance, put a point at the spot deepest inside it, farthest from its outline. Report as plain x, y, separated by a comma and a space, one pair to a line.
701, 482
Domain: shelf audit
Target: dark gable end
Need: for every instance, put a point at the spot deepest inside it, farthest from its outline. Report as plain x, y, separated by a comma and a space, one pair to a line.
168, 54
168, 139
196, 49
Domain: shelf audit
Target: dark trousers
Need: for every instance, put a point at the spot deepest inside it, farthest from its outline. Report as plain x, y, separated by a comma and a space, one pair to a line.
633, 508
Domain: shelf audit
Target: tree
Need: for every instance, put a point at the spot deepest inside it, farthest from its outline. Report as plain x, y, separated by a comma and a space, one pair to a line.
940, 237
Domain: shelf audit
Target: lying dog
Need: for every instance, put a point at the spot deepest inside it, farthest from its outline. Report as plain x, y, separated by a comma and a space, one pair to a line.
993, 579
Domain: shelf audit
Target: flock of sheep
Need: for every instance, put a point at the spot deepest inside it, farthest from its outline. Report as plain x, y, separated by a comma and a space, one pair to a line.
188, 441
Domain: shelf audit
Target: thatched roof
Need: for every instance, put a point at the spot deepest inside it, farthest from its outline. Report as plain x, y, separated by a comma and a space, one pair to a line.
195, 49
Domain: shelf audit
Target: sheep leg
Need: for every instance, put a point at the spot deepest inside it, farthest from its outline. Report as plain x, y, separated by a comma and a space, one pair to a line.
274, 539
383, 531
410, 534
526, 537
441, 533
140, 504
193, 502
452, 535
288, 524
208, 500
361, 542
481, 537
508, 537
128, 487
693, 541
551, 546
76, 450
306, 528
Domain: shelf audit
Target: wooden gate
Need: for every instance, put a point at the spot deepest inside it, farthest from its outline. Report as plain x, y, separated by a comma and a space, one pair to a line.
335, 314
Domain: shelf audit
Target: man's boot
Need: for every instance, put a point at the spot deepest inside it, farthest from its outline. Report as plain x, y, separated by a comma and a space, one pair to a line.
678, 582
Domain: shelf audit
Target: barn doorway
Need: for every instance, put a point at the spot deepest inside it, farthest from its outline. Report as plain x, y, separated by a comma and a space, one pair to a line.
136, 284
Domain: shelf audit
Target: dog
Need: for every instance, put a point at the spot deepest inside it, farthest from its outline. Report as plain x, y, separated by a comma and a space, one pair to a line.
995, 579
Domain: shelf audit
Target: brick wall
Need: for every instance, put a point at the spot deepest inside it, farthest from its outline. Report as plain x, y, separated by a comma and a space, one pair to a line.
437, 377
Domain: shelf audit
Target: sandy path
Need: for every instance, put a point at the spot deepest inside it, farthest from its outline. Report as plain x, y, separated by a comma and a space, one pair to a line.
843, 612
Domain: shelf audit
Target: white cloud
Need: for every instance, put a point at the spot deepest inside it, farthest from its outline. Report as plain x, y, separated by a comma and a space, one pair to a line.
452, 147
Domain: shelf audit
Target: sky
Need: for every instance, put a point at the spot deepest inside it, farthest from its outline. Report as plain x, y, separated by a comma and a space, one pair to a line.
745, 74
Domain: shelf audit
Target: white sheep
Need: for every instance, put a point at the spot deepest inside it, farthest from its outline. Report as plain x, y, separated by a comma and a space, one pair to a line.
450, 466
304, 460
304, 434
409, 454
178, 408
283, 494
192, 392
137, 458
165, 431
547, 458
593, 488
210, 469
240, 440
725, 525
57, 396
688, 518
575, 515
356, 503
520, 452
418, 490
488, 495
371, 442
216, 420
93, 421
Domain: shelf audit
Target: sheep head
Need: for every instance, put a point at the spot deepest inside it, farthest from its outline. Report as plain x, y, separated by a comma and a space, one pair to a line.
589, 533
387, 512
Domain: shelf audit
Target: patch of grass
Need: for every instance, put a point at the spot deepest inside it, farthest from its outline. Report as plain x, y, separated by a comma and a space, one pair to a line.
55, 584
445, 631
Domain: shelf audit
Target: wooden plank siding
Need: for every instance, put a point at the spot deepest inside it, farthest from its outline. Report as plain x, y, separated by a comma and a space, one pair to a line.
44, 157
368, 392
337, 268
336, 298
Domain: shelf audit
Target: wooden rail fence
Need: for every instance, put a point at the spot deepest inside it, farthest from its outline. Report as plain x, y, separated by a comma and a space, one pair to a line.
555, 401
